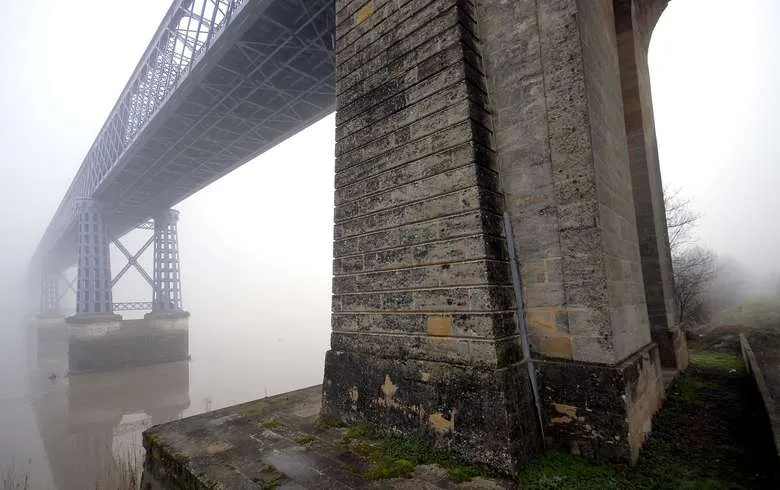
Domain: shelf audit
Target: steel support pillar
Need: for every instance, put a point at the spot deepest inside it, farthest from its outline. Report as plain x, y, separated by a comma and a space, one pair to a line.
93, 288
167, 280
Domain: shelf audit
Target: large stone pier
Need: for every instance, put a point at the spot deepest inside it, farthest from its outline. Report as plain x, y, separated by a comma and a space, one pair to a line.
451, 115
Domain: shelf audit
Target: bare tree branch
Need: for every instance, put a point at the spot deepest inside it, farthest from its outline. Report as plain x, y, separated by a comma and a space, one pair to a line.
680, 219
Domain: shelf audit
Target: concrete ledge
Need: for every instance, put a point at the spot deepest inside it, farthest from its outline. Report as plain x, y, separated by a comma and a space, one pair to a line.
92, 319
763, 364
275, 442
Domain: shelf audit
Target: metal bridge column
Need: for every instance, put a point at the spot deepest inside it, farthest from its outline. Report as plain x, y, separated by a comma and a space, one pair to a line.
50, 295
167, 280
93, 291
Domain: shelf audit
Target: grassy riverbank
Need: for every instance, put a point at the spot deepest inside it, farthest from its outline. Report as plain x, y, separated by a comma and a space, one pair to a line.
712, 433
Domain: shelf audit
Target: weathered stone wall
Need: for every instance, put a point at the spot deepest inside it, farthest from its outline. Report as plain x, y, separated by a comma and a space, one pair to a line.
599, 411
420, 265
634, 21
424, 337
554, 80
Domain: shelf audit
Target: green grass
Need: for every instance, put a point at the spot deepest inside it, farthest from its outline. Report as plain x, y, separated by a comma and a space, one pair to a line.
754, 313
328, 422
303, 440
395, 456
272, 424
269, 478
254, 410
709, 435
716, 360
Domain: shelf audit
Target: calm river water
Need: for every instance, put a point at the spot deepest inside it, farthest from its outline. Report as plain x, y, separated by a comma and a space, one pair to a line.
67, 433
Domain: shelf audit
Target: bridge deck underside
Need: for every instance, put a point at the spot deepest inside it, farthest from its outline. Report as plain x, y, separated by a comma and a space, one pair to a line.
267, 77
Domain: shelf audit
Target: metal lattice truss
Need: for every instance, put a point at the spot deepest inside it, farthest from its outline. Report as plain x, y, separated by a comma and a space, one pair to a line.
221, 82
133, 306
166, 283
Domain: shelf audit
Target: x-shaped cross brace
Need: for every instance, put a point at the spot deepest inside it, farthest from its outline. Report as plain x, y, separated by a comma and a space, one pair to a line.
132, 261
70, 287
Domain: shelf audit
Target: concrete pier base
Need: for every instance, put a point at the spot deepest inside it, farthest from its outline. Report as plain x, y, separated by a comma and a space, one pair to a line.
601, 411
171, 320
276, 442
109, 343
445, 403
48, 344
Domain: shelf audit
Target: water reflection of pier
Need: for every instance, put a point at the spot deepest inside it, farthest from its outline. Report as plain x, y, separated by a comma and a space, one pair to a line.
89, 422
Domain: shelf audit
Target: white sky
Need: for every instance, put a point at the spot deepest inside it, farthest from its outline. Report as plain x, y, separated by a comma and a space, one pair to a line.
259, 240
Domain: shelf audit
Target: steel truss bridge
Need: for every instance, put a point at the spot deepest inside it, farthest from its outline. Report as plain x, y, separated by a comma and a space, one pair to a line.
221, 82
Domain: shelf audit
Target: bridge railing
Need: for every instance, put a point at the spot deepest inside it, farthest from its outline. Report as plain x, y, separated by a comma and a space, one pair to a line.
133, 306
186, 32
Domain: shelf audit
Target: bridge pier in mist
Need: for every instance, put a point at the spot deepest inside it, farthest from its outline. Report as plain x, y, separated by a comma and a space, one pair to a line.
99, 340
448, 116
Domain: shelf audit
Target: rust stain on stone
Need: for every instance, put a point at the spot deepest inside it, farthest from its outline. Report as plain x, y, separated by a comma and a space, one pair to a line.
556, 346
568, 413
364, 12
569, 410
440, 326
388, 393
353, 394
442, 424
541, 318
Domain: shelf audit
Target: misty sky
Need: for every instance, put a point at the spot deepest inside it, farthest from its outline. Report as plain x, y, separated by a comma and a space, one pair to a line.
256, 245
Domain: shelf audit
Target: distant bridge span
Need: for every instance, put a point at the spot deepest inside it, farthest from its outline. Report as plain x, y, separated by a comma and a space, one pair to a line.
221, 82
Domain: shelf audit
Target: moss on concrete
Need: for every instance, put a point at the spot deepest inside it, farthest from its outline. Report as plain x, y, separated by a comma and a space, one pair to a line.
153, 438
394, 456
709, 435
272, 424
254, 409
328, 422
269, 478
303, 440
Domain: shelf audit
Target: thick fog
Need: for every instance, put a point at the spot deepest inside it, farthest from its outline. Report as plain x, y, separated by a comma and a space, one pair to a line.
256, 245
715, 67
